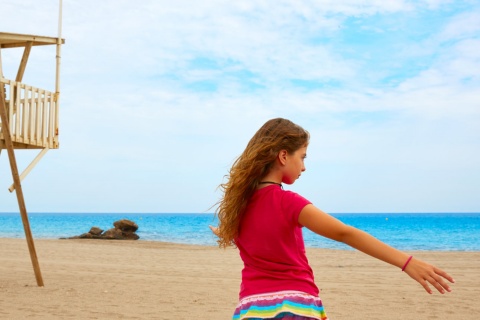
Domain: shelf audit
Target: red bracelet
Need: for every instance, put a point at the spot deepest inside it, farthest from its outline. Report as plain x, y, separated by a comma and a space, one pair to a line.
406, 263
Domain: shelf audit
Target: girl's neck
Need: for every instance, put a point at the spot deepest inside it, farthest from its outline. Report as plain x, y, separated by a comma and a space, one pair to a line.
269, 179
274, 176
266, 183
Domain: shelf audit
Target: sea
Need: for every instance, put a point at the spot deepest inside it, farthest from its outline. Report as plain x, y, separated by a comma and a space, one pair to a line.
405, 231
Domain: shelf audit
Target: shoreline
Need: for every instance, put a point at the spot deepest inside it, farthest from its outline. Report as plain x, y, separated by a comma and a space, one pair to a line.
405, 232
162, 280
215, 246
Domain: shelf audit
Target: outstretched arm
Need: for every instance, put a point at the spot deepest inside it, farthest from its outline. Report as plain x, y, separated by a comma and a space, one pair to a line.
325, 225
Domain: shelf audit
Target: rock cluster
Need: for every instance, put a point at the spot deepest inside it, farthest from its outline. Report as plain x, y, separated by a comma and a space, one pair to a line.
123, 230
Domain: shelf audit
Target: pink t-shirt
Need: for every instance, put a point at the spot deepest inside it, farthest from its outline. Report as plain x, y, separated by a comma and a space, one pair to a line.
271, 244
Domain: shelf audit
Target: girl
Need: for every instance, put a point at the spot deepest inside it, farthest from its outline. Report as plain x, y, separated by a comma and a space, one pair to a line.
265, 223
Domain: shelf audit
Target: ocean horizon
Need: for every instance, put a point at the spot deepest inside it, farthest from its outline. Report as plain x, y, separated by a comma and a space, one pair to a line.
405, 231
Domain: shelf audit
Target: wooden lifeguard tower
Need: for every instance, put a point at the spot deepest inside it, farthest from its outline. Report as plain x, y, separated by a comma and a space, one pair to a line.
29, 118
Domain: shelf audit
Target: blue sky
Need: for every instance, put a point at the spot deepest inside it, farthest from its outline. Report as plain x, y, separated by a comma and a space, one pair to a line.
159, 98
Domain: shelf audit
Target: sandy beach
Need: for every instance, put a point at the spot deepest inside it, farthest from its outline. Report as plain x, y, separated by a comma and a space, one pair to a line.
95, 279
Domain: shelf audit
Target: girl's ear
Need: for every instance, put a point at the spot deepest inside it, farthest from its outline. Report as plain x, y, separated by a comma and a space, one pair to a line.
282, 157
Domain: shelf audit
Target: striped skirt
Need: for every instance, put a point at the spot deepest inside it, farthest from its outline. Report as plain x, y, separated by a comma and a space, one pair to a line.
280, 305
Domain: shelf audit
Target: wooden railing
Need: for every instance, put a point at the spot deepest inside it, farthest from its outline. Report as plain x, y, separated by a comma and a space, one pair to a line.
32, 115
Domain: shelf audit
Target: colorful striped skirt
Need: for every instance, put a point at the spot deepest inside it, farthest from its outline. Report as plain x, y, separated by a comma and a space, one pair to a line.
280, 305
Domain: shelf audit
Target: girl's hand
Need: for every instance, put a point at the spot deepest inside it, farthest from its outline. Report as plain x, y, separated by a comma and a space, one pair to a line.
425, 273
214, 230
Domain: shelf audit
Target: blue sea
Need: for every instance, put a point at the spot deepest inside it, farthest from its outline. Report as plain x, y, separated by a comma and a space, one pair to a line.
406, 231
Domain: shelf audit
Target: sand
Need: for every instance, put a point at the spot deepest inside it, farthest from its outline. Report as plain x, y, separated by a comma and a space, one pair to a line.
98, 279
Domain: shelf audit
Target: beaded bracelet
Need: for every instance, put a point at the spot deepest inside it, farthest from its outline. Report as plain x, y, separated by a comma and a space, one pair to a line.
406, 263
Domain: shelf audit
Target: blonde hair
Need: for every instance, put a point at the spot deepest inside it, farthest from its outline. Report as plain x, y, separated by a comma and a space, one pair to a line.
250, 168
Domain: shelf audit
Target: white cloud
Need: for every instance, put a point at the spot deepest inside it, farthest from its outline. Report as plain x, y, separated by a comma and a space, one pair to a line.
137, 135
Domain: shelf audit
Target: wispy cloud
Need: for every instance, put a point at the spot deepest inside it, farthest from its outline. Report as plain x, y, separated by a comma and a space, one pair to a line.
158, 98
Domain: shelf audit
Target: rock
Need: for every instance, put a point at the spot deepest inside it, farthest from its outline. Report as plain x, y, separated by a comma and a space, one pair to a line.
130, 236
113, 234
123, 230
126, 225
85, 236
96, 231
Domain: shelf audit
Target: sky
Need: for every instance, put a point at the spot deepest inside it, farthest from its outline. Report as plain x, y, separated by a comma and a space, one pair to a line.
158, 98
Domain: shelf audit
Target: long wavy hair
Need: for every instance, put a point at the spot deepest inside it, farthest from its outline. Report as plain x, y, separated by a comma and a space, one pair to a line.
250, 168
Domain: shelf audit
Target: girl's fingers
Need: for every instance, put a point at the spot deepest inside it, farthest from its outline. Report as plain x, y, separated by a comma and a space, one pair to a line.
430, 280
427, 274
444, 275
437, 283
440, 280
424, 284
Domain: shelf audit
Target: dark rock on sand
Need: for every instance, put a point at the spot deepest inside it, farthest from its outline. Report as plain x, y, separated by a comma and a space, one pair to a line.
123, 230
